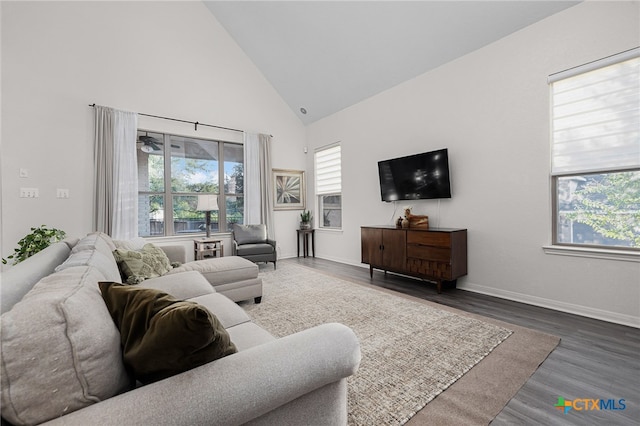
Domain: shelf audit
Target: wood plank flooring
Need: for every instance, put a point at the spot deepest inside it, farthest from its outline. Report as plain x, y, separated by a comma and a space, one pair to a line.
594, 360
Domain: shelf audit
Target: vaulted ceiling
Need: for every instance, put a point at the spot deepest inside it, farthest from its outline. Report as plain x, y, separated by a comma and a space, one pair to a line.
324, 56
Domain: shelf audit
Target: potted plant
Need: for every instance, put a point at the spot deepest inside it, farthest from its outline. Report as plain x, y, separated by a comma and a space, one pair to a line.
39, 239
305, 219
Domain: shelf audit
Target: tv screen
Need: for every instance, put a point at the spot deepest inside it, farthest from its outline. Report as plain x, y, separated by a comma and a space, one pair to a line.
415, 177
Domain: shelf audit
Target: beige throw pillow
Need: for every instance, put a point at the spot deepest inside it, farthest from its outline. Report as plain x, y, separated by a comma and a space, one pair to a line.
137, 266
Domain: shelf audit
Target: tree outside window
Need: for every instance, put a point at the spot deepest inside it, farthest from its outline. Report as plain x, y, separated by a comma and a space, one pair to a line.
600, 209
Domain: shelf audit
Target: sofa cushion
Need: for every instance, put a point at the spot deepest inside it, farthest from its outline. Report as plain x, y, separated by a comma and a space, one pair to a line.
19, 279
221, 270
248, 334
247, 234
161, 335
228, 313
137, 266
95, 241
132, 244
104, 263
184, 285
60, 349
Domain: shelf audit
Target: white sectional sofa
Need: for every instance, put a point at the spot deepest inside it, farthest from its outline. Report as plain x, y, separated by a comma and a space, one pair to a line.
62, 358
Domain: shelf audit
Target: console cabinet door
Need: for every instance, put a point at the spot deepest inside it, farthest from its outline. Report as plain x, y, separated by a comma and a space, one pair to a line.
394, 249
384, 248
371, 246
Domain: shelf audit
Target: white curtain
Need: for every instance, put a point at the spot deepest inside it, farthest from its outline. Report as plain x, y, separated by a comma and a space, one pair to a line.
116, 174
258, 188
252, 203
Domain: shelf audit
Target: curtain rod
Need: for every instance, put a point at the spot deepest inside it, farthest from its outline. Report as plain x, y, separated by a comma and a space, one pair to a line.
195, 123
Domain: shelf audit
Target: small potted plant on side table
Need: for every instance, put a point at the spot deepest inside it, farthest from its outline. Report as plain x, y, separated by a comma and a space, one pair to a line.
305, 219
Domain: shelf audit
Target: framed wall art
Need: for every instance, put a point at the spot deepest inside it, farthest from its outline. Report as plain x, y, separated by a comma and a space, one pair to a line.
289, 189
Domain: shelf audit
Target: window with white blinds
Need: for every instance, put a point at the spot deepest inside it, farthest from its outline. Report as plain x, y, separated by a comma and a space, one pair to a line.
596, 116
595, 155
328, 172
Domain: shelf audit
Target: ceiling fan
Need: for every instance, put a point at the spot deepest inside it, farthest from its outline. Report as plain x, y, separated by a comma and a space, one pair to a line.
151, 144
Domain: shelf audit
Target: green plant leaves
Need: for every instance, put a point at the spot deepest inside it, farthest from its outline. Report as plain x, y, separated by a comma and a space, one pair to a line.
39, 239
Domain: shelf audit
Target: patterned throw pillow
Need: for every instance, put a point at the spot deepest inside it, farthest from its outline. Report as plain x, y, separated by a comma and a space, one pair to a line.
137, 266
161, 335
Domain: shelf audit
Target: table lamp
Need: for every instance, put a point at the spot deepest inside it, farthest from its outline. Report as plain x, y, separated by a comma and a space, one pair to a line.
207, 203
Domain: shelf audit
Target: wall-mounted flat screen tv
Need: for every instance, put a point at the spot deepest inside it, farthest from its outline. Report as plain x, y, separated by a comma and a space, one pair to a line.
415, 177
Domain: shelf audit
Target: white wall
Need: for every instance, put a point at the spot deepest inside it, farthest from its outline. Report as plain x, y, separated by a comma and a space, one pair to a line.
491, 110
163, 58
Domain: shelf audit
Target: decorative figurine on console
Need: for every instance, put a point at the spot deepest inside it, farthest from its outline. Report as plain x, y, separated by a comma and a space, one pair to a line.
415, 220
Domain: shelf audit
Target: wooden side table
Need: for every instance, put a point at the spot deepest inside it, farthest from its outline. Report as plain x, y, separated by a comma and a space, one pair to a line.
305, 242
204, 247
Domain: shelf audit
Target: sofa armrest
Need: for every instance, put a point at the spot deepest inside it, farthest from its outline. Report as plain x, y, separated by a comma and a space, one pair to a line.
175, 253
238, 388
272, 242
234, 248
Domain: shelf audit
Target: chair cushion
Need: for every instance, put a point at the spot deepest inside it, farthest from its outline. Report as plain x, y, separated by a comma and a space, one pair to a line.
161, 335
254, 249
248, 234
60, 349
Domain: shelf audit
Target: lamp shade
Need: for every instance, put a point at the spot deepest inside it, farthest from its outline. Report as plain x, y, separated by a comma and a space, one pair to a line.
207, 203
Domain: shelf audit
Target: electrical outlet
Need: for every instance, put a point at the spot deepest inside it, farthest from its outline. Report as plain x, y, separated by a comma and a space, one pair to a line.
62, 193
29, 193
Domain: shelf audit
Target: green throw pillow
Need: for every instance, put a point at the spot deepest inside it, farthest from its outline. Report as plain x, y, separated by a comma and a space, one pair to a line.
137, 266
161, 335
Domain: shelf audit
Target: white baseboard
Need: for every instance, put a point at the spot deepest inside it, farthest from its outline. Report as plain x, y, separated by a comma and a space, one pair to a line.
570, 308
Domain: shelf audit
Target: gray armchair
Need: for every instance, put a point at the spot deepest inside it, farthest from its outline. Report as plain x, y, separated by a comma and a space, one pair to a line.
252, 243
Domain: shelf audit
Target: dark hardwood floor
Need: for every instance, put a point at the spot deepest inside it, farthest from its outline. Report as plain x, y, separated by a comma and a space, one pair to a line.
594, 360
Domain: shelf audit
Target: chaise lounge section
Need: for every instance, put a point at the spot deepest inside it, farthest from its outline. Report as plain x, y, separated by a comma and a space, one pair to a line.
232, 276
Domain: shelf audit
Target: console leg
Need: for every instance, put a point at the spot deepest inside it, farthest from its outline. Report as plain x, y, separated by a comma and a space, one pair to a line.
258, 299
371, 271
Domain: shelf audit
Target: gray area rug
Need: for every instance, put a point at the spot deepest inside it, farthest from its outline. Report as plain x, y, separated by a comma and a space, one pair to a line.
412, 350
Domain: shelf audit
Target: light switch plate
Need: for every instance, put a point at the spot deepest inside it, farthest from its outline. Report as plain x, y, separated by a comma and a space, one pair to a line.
29, 193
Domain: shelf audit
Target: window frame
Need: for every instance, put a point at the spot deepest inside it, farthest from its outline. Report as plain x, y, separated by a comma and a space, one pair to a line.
617, 252
168, 194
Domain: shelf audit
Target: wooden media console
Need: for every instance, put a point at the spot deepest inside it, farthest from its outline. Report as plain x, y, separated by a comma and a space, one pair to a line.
436, 254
